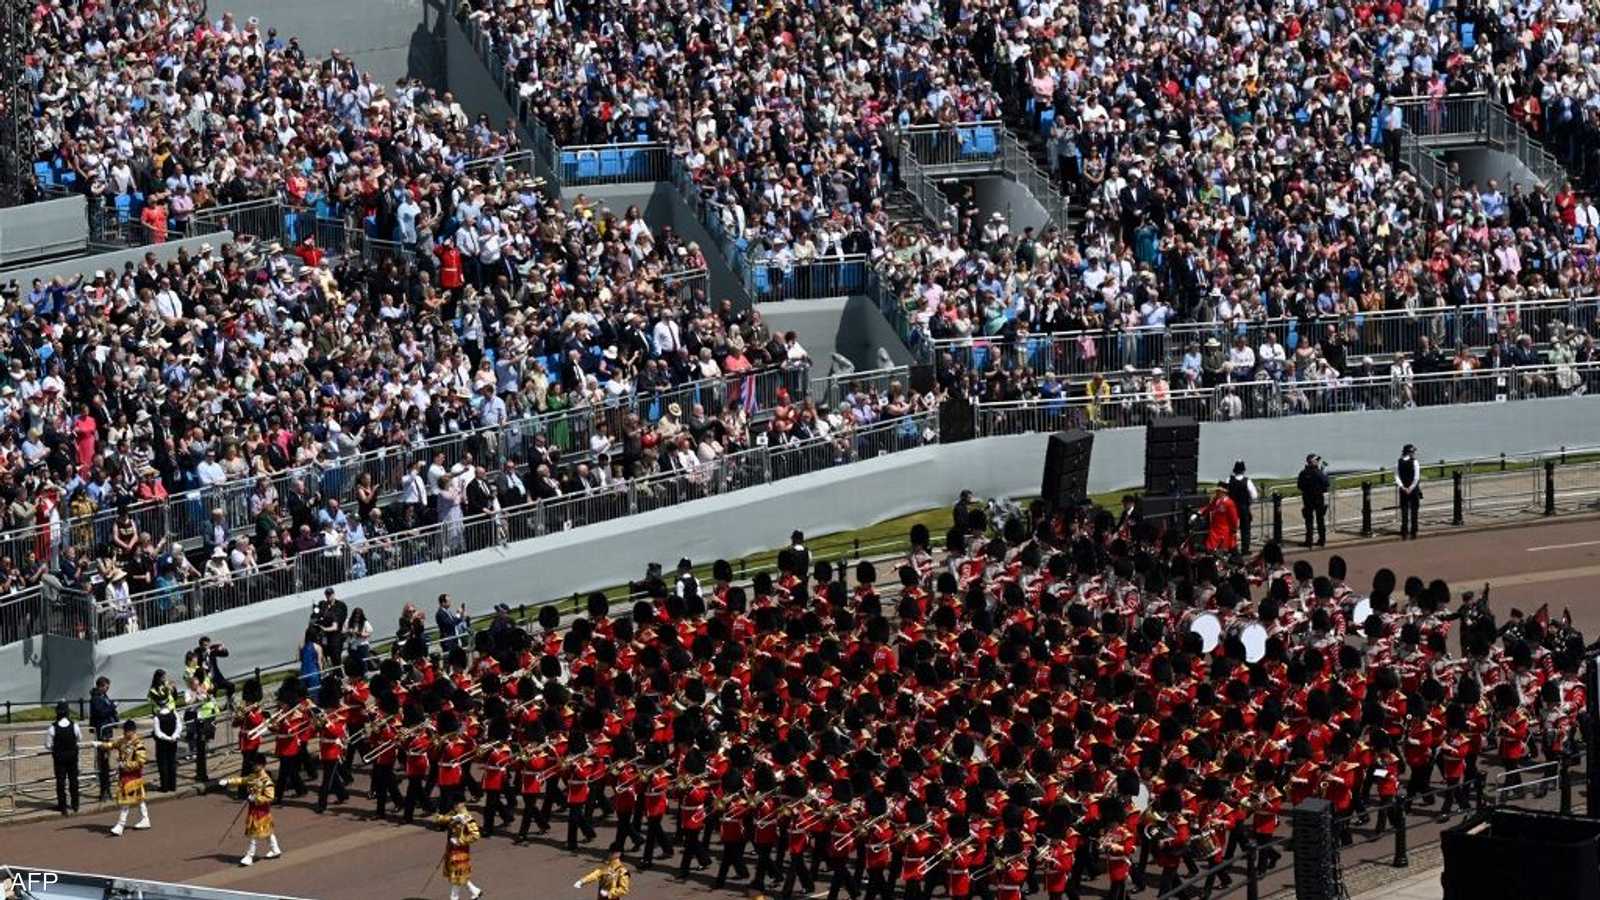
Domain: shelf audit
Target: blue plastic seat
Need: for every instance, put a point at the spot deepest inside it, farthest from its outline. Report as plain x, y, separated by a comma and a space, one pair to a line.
986, 141
1047, 120
45, 174
291, 227
611, 164
124, 208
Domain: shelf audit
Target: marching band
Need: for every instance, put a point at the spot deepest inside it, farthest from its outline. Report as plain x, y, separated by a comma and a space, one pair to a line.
1064, 701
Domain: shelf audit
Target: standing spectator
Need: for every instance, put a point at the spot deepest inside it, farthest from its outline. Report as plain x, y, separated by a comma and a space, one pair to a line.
1408, 478
61, 739
451, 623
1242, 490
358, 637
103, 720
168, 729
1313, 484
311, 659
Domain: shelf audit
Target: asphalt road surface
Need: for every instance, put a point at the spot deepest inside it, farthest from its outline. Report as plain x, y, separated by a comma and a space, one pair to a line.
344, 856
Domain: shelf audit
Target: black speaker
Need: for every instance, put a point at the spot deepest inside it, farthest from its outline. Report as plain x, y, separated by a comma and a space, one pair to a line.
922, 379
1160, 470
1520, 853
1171, 508
1316, 851
955, 420
1172, 456
1066, 468
1170, 429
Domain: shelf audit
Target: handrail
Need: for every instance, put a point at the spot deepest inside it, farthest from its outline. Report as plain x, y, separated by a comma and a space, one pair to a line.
80, 613
1200, 330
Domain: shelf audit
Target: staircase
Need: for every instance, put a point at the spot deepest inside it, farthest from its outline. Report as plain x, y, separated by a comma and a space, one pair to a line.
1433, 126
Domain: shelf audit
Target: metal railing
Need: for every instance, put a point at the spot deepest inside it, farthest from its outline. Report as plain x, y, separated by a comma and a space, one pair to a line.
1453, 115
769, 278
1090, 405
968, 146
1430, 170
931, 201
613, 163
1507, 134
88, 614
1368, 503
1473, 118
189, 514
1363, 334
1022, 166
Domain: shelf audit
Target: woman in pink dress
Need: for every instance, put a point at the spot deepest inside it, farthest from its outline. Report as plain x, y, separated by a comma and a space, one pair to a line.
87, 432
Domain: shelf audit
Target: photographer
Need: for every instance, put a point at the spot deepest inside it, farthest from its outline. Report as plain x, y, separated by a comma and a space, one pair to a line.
1313, 483
452, 623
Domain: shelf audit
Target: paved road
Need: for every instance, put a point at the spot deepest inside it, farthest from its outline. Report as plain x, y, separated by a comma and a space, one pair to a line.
344, 856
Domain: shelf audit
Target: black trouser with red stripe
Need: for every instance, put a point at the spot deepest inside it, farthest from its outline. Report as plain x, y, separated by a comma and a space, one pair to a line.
732, 858
532, 813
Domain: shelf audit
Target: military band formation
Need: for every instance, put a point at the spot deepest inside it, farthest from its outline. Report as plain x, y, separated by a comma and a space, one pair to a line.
1057, 700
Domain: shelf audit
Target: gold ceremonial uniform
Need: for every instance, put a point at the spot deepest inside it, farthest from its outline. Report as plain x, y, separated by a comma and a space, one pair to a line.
259, 794
131, 757
612, 877
464, 833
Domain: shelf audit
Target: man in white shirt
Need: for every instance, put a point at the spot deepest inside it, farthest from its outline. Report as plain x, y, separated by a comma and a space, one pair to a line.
1242, 361
1272, 356
210, 471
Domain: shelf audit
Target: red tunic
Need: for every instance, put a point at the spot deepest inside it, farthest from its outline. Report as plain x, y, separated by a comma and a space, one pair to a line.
331, 738
495, 763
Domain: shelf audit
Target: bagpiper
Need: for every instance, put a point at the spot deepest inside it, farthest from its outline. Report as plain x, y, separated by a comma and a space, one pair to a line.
611, 878
259, 793
131, 757
463, 832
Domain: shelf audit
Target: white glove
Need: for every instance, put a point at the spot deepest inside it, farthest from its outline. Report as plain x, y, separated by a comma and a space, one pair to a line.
577, 884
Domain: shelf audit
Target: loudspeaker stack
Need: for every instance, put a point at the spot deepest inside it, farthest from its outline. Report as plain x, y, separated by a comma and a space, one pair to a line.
1066, 468
1316, 852
1171, 468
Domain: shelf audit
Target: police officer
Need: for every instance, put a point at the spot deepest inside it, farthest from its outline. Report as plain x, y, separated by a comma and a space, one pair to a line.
1313, 483
1242, 491
61, 739
103, 721
1408, 480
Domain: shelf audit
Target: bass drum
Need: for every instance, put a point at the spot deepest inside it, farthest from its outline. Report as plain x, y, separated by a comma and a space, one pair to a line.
1254, 638
1209, 627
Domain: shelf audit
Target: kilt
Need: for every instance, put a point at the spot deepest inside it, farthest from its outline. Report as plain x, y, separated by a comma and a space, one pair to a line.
258, 821
458, 865
130, 788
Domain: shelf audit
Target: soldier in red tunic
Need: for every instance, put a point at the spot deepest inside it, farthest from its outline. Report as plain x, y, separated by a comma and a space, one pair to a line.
733, 826
496, 758
332, 736
694, 799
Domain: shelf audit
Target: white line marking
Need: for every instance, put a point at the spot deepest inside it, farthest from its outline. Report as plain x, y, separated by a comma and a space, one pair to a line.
1563, 546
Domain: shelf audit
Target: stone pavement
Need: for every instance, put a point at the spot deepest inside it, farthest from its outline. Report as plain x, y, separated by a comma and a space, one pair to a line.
1423, 885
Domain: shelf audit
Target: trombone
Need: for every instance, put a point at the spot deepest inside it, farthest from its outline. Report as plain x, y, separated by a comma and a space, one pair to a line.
944, 853
404, 736
262, 730
838, 842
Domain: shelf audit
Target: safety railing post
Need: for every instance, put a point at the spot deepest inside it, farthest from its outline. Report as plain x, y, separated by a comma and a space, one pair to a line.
1366, 509
1457, 506
1564, 780
1252, 874
1549, 487
1277, 517
1401, 858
